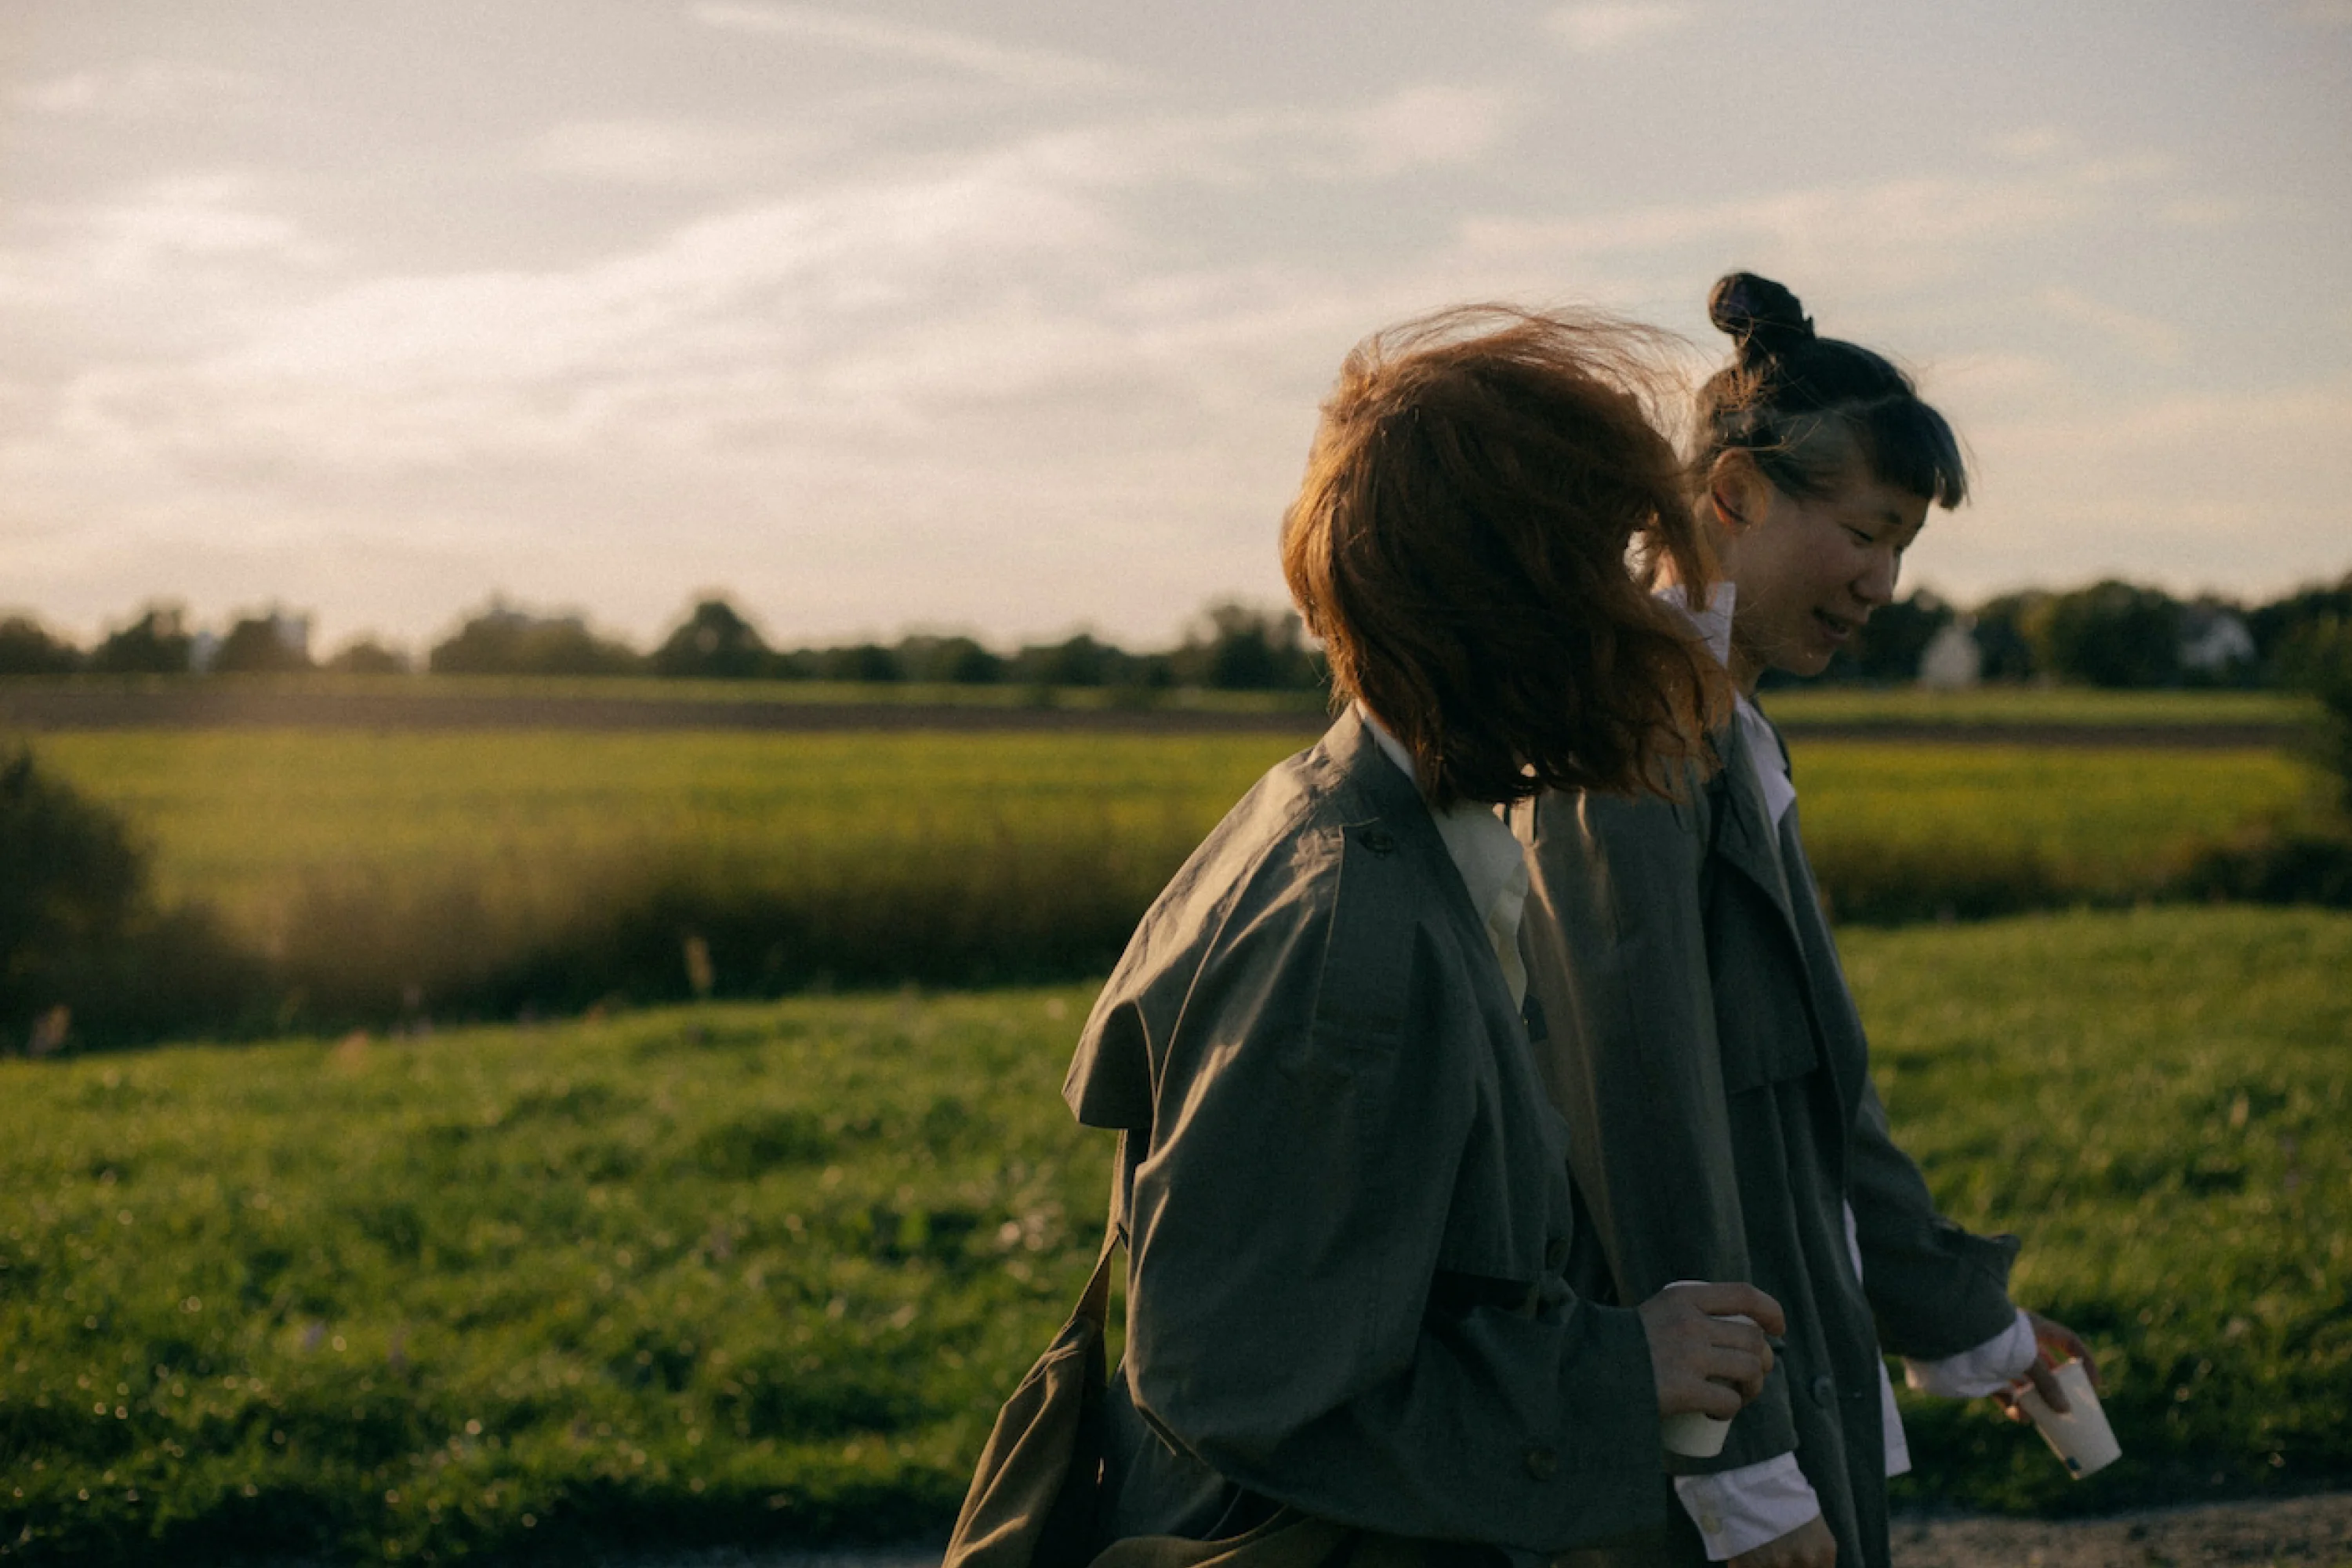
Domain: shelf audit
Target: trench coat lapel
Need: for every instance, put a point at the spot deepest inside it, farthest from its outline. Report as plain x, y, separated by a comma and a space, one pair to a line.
1743, 834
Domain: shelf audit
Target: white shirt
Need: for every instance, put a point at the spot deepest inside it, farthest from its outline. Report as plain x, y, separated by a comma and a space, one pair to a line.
1486, 852
1740, 1509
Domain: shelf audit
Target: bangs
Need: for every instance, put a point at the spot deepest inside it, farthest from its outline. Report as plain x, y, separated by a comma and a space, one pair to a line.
1910, 446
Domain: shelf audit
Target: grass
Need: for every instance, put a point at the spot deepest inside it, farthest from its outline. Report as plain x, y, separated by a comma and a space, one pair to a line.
269, 824
1901, 832
1796, 707
758, 1273
2156, 1101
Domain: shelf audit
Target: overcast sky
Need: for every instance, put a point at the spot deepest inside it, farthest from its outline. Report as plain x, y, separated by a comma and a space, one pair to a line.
1011, 317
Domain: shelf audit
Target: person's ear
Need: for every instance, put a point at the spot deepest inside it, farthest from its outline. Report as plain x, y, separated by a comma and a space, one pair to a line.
1738, 493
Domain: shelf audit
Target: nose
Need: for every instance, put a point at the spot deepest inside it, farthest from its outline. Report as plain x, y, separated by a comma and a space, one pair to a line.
1875, 584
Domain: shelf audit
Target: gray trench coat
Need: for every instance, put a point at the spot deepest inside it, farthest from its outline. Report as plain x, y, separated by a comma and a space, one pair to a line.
1348, 1200
1707, 1055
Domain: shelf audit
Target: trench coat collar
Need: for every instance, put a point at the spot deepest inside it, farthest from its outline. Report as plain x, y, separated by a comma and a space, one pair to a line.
1368, 774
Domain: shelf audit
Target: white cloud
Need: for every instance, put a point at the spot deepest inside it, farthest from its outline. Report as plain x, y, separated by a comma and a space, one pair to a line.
661, 153
2148, 337
1603, 27
138, 88
1042, 69
1895, 233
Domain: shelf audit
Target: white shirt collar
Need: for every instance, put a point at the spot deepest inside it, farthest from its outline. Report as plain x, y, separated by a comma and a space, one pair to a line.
1486, 853
1769, 764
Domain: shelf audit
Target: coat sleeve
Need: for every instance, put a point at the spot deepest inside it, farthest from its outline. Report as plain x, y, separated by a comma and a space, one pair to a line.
1936, 1289
1286, 1323
1617, 957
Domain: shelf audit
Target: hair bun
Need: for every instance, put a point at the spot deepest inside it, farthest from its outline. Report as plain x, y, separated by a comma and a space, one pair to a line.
1762, 316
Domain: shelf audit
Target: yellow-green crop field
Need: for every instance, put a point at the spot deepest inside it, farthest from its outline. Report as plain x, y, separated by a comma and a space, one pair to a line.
272, 826
757, 1273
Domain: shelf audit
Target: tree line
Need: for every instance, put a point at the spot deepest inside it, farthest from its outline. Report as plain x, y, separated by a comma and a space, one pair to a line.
2110, 634
1233, 647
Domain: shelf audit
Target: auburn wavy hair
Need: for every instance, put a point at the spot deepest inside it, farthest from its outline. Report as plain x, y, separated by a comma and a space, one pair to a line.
1486, 496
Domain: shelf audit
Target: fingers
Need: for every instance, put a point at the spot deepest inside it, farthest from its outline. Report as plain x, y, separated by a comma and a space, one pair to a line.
1735, 1300
2047, 1384
1706, 1364
2066, 1342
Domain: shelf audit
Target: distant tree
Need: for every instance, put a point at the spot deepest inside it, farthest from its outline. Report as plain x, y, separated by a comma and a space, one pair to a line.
27, 648
268, 644
1244, 649
1078, 660
2277, 626
868, 662
960, 660
157, 643
2112, 634
1892, 641
368, 657
2004, 637
713, 642
503, 641
2317, 658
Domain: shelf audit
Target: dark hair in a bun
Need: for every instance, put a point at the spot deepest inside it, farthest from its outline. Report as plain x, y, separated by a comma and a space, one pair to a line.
1763, 318
1803, 406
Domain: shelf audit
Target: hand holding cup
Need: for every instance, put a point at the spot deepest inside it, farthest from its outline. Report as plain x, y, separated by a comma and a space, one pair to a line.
1709, 1355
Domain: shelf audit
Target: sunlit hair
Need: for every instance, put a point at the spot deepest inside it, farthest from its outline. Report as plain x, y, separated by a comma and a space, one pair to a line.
1804, 408
1486, 490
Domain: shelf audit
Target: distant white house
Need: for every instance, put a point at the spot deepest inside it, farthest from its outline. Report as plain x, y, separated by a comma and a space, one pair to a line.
2212, 640
1952, 662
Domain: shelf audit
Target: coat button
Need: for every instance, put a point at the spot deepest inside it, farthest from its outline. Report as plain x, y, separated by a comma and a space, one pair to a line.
1556, 1252
1542, 1463
1378, 840
1824, 1390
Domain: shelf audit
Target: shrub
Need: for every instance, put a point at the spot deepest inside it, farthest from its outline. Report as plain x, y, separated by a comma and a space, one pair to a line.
503, 641
85, 956
157, 643
27, 648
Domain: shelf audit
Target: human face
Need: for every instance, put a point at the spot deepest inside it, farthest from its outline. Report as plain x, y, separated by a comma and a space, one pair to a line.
1809, 570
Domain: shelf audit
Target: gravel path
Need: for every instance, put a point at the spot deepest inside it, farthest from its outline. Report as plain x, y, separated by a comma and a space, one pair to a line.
2291, 1532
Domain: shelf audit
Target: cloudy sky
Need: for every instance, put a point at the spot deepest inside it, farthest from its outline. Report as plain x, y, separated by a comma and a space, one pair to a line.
1011, 317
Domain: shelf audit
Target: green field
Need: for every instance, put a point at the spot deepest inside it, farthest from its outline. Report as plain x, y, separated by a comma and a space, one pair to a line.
1795, 705
2038, 705
270, 824
758, 1273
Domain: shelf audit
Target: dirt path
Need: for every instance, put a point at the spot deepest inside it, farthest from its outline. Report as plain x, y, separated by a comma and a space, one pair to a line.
2311, 1530
2292, 1532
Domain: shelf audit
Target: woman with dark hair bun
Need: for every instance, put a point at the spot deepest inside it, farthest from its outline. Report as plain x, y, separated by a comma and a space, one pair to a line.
1703, 1044
1346, 1197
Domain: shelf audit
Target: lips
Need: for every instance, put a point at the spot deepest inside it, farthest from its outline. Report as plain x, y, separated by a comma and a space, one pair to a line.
1836, 628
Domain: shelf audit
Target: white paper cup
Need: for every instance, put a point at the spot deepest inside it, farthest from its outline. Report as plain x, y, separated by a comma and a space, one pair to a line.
1691, 1434
1694, 1435
2081, 1438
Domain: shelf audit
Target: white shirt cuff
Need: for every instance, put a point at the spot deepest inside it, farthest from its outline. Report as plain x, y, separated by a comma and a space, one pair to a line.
1988, 1369
1739, 1510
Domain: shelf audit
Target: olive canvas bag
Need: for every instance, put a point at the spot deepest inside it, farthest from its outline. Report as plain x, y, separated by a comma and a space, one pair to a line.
1036, 1494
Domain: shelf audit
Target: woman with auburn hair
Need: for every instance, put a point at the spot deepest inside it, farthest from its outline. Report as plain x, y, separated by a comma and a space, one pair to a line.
1703, 1044
1345, 1198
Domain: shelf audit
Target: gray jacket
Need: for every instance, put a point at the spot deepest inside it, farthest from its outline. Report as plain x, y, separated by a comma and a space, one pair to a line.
1707, 1055
1347, 1197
